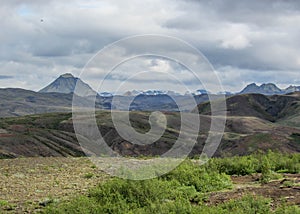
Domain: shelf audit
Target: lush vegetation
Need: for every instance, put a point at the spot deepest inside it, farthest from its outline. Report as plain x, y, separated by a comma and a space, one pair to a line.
256, 163
186, 189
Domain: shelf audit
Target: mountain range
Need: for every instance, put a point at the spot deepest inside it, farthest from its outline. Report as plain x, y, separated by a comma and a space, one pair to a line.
31, 125
58, 95
66, 84
268, 89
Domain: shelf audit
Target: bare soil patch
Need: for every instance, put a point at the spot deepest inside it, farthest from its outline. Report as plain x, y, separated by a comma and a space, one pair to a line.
277, 190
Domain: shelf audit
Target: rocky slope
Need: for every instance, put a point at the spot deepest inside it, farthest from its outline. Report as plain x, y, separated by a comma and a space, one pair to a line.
66, 84
268, 89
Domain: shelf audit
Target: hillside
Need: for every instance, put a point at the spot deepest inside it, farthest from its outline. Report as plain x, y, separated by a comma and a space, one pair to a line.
290, 115
270, 108
53, 135
19, 102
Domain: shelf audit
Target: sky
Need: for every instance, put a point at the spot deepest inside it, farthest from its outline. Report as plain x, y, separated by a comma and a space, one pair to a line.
245, 41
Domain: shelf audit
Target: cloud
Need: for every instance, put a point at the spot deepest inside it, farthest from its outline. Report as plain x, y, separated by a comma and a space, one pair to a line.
5, 77
244, 40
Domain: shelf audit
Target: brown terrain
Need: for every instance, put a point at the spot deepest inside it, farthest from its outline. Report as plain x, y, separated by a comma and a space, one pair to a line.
254, 122
29, 184
277, 190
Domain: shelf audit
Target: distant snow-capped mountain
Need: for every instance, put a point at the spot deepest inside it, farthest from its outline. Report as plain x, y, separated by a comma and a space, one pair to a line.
292, 89
151, 93
201, 92
105, 94
228, 93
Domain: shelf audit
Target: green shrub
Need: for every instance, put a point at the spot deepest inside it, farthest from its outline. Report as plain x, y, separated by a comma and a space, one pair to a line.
265, 171
204, 180
88, 175
288, 210
278, 162
122, 196
185, 189
247, 205
283, 162
173, 192
235, 165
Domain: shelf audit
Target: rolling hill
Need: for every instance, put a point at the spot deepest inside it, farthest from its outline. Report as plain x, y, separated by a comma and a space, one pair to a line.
16, 102
53, 134
271, 108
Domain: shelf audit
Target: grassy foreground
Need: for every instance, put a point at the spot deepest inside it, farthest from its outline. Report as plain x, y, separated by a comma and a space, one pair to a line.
187, 189
259, 183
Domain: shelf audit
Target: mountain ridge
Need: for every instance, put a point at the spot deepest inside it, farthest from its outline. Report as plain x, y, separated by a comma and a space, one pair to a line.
57, 97
268, 89
268, 107
66, 83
